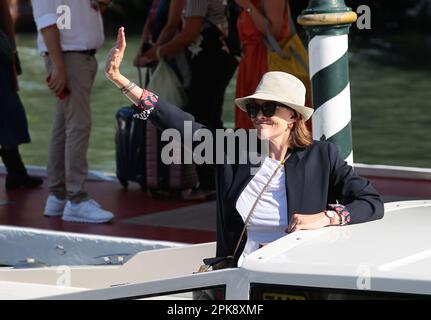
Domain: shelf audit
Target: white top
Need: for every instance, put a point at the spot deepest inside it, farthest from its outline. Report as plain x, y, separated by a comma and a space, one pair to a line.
80, 25
269, 219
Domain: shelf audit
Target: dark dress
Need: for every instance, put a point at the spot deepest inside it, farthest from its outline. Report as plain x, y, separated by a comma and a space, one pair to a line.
13, 120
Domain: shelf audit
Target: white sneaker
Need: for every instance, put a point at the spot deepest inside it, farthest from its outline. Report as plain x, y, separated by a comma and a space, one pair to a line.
54, 207
86, 211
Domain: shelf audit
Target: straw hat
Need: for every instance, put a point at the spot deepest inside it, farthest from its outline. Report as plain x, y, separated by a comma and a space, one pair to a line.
280, 87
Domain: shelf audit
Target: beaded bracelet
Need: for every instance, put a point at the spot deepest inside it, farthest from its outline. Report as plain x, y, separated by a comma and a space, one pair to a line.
147, 103
342, 211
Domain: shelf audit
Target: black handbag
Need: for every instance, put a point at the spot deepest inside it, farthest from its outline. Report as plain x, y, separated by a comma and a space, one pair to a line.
217, 263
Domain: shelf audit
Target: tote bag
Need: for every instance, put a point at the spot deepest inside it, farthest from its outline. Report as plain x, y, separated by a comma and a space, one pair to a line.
165, 83
294, 61
288, 55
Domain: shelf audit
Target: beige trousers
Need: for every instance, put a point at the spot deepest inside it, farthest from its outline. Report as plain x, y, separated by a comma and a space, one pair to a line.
67, 155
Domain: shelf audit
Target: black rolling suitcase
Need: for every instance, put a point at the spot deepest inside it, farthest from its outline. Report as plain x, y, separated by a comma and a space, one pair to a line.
130, 150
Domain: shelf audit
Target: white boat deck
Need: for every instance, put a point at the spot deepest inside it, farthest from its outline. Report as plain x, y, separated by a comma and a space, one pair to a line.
392, 255
24, 291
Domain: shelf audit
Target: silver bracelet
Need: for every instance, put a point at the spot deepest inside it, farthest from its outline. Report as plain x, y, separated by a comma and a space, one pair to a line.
125, 90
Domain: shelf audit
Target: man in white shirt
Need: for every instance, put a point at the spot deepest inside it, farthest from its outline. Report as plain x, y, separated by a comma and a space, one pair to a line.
69, 33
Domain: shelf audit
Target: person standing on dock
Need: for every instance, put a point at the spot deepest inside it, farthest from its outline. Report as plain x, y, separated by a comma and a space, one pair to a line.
69, 33
13, 120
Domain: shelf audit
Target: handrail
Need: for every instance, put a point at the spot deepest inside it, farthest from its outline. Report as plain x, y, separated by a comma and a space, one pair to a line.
327, 18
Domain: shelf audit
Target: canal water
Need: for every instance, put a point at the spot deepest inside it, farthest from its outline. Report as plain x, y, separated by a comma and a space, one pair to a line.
390, 87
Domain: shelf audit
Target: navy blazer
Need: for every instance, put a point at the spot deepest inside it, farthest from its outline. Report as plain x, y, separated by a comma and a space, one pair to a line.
315, 177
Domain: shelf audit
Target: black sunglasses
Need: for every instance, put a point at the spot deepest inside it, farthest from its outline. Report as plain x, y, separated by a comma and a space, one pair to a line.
268, 108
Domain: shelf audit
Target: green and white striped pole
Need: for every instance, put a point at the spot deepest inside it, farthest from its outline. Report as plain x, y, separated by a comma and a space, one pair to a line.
327, 23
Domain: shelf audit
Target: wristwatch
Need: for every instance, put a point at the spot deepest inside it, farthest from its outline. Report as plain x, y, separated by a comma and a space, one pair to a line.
333, 217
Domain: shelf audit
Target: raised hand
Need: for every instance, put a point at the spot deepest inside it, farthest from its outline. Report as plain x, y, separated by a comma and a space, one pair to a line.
115, 57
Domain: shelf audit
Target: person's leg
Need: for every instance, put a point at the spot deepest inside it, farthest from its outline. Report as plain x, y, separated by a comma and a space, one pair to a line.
13, 132
200, 91
17, 175
208, 84
56, 201
199, 108
81, 70
224, 77
212, 71
56, 149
